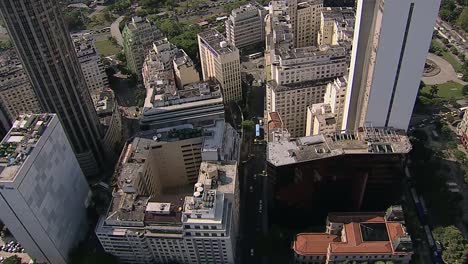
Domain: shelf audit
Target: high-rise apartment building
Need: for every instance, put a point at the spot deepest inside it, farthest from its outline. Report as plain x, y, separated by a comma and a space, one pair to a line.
307, 23
336, 25
91, 65
16, 93
245, 26
187, 211
220, 60
366, 237
389, 51
43, 192
43, 43
138, 37
300, 77
291, 102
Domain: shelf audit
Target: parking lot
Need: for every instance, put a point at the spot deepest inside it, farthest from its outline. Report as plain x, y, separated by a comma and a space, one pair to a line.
9, 247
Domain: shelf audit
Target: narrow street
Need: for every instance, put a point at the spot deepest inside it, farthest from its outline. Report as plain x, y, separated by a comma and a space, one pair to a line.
254, 217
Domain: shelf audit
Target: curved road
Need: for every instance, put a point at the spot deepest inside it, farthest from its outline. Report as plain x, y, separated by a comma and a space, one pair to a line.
447, 73
115, 31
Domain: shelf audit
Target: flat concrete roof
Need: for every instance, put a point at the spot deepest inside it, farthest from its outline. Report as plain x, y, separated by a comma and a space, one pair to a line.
370, 140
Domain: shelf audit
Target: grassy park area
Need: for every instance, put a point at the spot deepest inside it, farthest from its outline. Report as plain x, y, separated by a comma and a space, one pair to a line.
446, 90
107, 47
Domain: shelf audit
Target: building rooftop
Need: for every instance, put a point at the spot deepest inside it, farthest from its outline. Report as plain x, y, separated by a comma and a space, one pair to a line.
129, 207
84, 45
298, 85
182, 59
216, 42
366, 140
216, 180
379, 236
339, 13
20, 141
325, 50
246, 11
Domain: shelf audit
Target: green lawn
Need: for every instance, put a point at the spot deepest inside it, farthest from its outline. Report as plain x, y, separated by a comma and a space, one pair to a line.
107, 48
448, 56
447, 90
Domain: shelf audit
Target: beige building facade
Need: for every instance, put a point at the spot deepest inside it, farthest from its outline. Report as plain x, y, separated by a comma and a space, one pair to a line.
308, 23
327, 117
336, 25
220, 60
184, 69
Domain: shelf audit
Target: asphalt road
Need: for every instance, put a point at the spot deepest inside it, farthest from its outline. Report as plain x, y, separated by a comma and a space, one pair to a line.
115, 31
254, 205
447, 73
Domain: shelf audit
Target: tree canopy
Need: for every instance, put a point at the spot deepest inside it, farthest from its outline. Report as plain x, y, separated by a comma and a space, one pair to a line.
455, 246
12, 260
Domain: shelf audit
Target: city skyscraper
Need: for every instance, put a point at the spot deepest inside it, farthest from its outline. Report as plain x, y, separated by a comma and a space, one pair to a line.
391, 40
43, 192
43, 43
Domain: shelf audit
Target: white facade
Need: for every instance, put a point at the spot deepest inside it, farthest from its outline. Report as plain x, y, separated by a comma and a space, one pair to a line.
43, 195
389, 51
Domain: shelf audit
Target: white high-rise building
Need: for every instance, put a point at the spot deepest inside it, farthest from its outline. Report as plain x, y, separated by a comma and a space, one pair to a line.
43, 192
389, 51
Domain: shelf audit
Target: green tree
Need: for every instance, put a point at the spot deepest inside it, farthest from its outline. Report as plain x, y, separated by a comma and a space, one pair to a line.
12, 260
454, 50
459, 155
248, 125
170, 27
421, 85
452, 144
446, 131
455, 246
462, 20
434, 90
465, 90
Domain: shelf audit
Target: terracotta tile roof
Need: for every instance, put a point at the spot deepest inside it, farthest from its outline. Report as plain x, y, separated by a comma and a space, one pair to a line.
274, 121
313, 243
351, 242
369, 217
